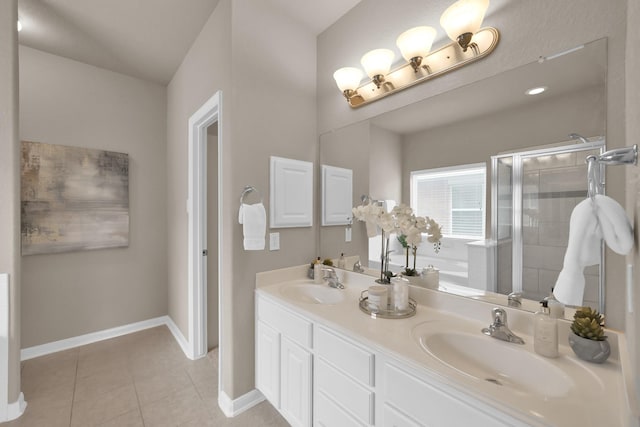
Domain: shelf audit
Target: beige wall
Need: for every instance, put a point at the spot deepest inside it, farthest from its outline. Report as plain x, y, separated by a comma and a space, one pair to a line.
69, 103
245, 50
205, 70
10, 184
633, 175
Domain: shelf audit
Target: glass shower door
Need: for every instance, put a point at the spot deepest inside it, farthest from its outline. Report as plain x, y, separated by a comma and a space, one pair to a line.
536, 192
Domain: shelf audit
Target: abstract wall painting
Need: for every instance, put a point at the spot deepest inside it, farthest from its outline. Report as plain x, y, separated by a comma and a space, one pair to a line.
73, 199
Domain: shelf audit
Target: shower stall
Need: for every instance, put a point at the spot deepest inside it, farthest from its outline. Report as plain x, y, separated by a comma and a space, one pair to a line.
533, 195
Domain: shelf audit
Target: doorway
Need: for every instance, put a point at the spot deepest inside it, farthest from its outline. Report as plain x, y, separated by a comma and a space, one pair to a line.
205, 237
211, 278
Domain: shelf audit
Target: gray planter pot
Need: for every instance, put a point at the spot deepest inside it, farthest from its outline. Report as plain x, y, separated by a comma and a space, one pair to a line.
589, 350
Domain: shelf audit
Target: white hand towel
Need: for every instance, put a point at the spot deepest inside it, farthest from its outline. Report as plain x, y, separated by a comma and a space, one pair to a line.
591, 220
583, 250
254, 221
616, 228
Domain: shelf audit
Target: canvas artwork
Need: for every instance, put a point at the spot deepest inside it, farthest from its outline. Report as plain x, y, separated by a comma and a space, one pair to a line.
73, 199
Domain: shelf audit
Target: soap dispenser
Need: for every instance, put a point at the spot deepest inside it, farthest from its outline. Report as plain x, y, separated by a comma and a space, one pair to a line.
556, 308
545, 332
342, 262
317, 271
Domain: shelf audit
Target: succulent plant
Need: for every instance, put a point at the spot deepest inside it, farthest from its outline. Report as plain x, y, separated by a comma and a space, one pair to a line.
587, 323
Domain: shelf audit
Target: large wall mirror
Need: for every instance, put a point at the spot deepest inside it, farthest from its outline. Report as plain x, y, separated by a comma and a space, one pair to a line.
398, 154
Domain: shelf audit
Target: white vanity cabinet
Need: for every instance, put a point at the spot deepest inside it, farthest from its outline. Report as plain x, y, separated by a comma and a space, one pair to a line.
317, 376
284, 361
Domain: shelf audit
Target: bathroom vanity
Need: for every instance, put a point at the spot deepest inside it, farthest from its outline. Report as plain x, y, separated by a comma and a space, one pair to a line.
321, 361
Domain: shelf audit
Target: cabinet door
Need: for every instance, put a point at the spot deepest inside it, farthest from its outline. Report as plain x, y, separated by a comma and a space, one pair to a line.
268, 363
295, 402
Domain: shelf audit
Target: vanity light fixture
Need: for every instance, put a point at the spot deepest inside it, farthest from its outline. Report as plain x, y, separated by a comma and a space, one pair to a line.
461, 21
536, 90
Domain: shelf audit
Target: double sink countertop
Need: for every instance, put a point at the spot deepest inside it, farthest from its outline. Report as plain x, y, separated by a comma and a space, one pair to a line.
444, 342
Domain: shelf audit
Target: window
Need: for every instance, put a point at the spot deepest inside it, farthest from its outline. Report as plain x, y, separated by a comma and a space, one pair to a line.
454, 197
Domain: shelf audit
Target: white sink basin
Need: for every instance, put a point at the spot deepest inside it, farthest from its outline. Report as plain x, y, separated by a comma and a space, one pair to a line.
488, 359
312, 294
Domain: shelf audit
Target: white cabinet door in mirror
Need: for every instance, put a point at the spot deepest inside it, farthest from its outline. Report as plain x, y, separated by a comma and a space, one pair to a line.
337, 195
291, 189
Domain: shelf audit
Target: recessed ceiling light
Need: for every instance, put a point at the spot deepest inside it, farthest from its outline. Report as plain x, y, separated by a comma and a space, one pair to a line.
536, 90
19, 26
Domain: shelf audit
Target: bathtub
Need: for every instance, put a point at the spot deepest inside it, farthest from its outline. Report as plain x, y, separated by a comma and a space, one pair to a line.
451, 271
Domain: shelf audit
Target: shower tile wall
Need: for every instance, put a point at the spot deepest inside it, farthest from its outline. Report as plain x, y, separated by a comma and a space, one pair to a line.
552, 187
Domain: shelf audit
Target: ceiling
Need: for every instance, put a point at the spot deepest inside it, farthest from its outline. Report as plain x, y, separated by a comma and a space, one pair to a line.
147, 39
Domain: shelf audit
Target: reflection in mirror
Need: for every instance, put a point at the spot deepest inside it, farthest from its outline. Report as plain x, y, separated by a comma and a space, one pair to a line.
468, 126
534, 193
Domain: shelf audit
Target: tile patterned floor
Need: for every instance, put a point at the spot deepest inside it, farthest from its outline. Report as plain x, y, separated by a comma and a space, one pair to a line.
138, 380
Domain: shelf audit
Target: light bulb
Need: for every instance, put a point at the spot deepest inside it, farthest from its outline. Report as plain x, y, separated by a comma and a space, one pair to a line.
348, 78
377, 62
416, 42
463, 19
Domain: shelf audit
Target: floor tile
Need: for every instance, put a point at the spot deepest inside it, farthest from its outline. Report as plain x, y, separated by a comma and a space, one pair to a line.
91, 387
157, 386
104, 407
42, 417
130, 419
136, 380
179, 408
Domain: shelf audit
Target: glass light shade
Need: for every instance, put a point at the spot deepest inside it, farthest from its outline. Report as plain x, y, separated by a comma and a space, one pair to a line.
377, 62
416, 42
464, 16
348, 78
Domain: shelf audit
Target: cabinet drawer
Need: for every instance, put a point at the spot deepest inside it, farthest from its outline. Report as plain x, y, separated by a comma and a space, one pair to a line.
393, 418
354, 398
433, 407
288, 324
345, 355
328, 414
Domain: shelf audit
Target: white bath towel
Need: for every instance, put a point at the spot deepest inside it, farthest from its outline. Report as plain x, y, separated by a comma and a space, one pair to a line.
254, 221
591, 221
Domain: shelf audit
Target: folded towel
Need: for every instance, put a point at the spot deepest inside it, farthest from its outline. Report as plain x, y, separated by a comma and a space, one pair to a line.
591, 221
254, 221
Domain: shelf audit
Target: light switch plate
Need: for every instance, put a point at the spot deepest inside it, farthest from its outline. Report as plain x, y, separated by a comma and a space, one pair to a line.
274, 241
347, 234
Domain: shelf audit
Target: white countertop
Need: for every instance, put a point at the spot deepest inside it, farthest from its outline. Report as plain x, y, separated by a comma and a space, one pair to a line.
599, 396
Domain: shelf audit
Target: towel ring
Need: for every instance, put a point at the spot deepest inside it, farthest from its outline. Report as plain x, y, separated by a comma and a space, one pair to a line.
249, 189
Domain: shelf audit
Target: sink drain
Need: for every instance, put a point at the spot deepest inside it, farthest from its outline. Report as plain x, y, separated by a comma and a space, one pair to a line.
493, 380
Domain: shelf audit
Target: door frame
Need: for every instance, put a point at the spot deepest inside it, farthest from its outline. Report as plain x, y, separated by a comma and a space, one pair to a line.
209, 113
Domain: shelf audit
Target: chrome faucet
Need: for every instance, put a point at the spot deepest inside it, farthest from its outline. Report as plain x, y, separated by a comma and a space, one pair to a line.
357, 267
499, 329
514, 299
332, 277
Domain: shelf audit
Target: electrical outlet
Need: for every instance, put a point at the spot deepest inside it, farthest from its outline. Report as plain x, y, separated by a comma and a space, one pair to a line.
274, 241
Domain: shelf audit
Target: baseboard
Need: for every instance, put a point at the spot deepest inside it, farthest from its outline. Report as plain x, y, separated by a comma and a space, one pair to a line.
52, 347
16, 409
177, 334
231, 408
